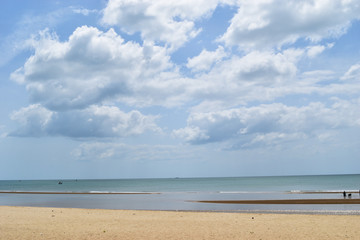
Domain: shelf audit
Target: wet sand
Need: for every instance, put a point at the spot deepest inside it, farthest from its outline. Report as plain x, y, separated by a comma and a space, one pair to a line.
66, 223
286, 201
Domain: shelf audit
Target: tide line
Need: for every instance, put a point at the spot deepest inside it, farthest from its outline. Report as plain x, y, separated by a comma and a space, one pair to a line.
29, 192
285, 201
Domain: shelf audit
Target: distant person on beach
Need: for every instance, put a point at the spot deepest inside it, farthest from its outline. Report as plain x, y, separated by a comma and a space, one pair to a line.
344, 193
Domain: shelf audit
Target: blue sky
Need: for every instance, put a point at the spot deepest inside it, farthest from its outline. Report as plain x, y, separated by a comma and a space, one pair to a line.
141, 88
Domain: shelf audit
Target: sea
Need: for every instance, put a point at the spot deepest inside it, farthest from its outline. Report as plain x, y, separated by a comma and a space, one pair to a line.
184, 194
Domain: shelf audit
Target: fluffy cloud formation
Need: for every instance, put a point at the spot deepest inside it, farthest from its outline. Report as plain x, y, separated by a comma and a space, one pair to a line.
94, 121
72, 82
268, 124
205, 60
93, 67
269, 23
89, 68
262, 76
261, 68
171, 22
255, 76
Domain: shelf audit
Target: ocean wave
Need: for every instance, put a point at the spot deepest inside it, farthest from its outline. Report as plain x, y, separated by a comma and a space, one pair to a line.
69, 192
247, 192
323, 191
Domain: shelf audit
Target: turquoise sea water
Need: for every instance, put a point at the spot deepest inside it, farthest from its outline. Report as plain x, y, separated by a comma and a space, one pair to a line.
180, 193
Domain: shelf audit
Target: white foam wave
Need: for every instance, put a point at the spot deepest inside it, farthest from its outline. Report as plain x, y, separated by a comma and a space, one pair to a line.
244, 192
324, 191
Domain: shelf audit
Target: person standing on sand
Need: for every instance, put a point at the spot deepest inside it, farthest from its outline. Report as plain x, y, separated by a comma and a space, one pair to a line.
344, 194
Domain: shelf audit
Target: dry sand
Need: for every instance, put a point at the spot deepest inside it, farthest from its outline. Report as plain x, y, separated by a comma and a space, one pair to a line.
65, 223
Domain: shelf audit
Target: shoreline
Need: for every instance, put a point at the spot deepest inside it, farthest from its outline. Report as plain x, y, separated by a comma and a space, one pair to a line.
70, 223
109, 192
240, 211
172, 201
36, 192
284, 201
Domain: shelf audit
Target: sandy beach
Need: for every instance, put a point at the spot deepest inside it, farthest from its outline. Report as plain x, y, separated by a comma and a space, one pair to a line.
66, 223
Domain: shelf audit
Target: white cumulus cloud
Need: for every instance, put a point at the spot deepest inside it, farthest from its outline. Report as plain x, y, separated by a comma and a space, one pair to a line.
268, 123
269, 23
94, 121
89, 68
254, 76
171, 22
206, 59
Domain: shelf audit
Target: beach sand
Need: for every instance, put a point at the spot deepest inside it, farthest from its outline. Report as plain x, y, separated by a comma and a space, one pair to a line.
67, 223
